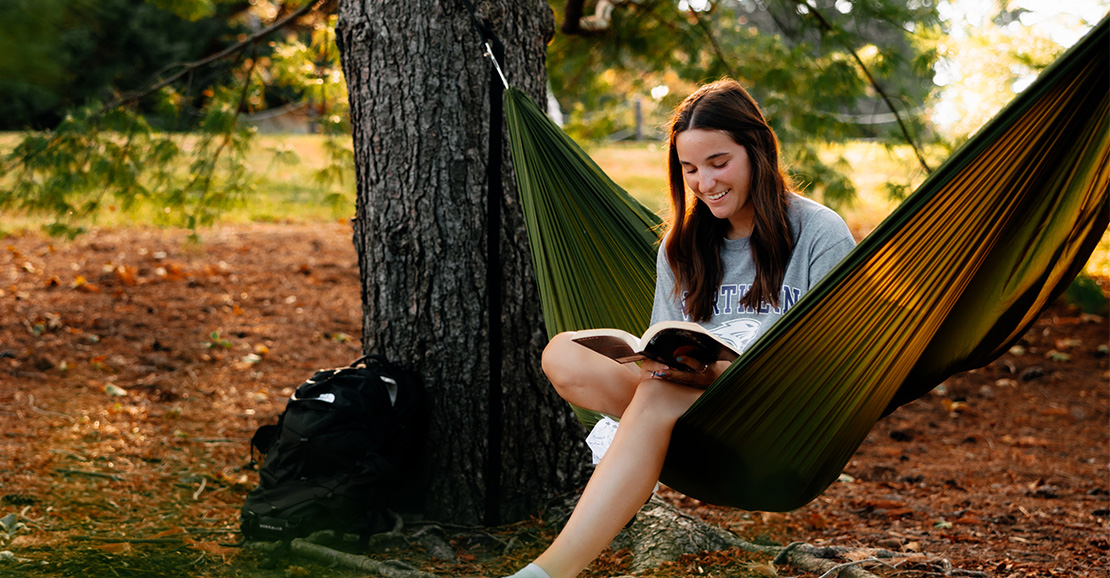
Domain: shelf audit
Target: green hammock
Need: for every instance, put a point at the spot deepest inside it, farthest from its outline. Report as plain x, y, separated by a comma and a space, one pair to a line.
946, 283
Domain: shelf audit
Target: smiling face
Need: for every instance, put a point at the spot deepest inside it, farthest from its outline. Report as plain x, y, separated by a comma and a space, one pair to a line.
717, 170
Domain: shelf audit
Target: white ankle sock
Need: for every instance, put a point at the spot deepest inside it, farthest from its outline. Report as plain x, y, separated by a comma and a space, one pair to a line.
530, 571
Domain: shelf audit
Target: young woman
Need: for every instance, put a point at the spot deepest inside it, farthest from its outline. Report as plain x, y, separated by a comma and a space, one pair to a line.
740, 250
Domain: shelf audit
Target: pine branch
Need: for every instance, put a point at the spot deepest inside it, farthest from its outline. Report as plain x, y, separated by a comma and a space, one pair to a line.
717, 50
826, 26
153, 86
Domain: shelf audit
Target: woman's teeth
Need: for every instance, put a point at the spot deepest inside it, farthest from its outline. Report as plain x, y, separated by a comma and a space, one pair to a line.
718, 195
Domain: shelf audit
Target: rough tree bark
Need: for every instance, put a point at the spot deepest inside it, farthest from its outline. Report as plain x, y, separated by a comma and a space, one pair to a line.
419, 99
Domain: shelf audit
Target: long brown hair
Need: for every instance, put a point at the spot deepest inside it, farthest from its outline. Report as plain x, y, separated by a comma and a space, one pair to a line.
694, 244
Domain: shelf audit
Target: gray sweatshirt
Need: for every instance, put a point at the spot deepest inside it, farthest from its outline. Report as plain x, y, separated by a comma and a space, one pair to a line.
821, 240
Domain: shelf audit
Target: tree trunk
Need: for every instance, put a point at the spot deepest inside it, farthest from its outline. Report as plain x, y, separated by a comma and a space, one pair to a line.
500, 443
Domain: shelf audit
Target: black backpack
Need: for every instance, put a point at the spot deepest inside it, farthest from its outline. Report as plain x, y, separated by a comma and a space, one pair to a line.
346, 448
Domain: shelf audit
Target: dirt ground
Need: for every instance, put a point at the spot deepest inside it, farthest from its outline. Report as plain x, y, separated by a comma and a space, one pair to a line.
134, 367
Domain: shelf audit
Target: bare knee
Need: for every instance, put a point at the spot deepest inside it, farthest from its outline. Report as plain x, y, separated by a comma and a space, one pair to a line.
559, 364
586, 379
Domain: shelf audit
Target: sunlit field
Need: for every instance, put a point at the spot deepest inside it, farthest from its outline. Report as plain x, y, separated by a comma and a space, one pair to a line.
284, 185
640, 168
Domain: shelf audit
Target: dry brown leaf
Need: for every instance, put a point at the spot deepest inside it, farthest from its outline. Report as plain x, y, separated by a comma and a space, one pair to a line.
82, 284
126, 275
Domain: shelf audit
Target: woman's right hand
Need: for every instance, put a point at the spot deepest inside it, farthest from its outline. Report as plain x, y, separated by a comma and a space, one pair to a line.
700, 379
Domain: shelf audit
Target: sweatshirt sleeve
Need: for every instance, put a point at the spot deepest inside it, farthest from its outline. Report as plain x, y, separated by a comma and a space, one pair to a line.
830, 241
666, 307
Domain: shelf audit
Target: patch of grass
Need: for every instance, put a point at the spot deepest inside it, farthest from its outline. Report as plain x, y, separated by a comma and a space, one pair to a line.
876, 169
284, 187
641, 169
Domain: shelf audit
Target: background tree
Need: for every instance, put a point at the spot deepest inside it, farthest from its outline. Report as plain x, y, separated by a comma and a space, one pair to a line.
824, 70
501, 443
126, 143
71, 52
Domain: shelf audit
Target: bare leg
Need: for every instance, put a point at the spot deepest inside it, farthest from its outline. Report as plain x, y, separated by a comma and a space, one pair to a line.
623, 480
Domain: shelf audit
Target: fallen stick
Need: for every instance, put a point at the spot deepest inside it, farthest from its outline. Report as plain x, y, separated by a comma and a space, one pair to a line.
334, 558
387, 569
67, 471
129, 540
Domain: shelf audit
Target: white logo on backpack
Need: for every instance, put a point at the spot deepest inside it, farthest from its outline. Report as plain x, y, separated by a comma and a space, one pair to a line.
326, 397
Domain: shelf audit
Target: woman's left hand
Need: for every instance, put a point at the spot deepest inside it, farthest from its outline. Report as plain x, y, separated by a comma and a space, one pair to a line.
701, 376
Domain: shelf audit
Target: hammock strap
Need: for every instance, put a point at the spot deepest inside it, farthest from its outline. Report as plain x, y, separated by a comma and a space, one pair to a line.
494, 192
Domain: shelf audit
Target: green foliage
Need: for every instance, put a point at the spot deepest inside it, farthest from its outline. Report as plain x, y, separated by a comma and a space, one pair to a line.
99, 157
217, 342
835, 188
94, 157
797, 57
187, 9
72, 52
1086, 294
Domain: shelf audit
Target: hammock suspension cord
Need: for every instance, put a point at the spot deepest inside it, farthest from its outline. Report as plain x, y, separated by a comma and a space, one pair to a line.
495, 50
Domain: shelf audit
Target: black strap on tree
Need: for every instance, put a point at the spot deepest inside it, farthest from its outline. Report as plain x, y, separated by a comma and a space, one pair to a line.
497, 84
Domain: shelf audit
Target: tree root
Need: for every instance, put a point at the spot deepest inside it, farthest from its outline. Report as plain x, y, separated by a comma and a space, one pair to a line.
308, 548
660, 533
810, 559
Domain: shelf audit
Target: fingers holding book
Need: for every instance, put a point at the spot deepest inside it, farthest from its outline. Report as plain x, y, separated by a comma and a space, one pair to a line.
692, 374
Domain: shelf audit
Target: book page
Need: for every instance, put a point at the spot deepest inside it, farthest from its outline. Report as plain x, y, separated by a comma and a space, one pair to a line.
610, 346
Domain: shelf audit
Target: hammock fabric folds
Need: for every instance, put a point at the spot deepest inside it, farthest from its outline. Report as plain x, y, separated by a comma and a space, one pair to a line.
946, 283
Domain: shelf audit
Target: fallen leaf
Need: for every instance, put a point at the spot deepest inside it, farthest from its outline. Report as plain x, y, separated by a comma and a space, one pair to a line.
168, 532
82, 284
879, 504
772, 517
816, 521
954, 407
765, 569
126, 275
170, 272
1057, 356
114, 547
1024, 441
214, 548
1068, 343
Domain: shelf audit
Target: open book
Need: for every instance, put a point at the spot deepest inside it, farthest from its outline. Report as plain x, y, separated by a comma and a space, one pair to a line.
662, 342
